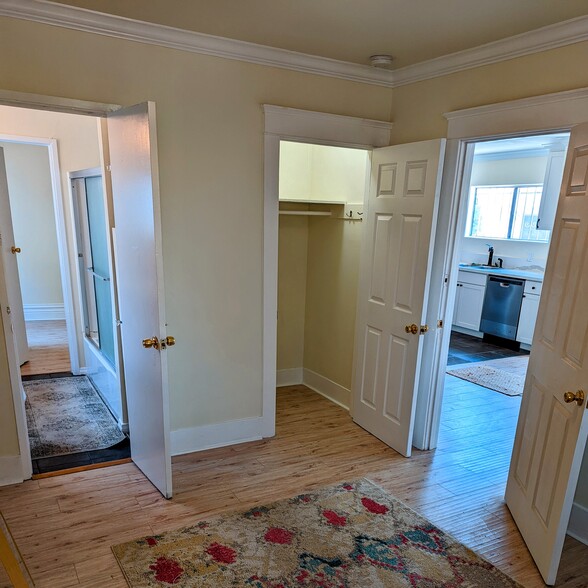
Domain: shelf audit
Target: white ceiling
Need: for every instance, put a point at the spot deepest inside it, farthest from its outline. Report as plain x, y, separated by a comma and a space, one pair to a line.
352, 30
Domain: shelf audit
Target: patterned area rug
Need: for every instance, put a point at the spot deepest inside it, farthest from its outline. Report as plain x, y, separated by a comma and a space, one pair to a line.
66, 415
506, 376
353, 535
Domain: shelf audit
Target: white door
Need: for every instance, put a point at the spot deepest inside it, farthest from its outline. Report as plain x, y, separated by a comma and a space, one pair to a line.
552, 427
137, 246
9, 253
394, 283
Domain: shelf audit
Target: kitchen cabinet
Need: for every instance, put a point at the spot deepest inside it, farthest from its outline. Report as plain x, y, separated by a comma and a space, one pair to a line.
529, 309
469, 300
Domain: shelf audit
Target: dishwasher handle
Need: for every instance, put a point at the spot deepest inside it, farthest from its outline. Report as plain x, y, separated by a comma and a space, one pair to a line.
506, 282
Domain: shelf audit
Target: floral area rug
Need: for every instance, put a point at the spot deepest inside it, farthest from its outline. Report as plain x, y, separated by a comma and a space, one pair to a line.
353, 535
66, 415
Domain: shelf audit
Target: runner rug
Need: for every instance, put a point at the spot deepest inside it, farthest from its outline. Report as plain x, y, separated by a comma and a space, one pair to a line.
66, 415
506, 376
353, 535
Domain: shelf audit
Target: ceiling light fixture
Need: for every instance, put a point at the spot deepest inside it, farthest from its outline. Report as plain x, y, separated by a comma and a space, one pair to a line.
381, 61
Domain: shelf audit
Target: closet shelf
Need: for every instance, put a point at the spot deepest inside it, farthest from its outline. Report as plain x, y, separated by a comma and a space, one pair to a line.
296, 201
304, 213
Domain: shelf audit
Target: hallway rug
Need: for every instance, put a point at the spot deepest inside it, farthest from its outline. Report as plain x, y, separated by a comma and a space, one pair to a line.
506, 376
66, 415
352, 535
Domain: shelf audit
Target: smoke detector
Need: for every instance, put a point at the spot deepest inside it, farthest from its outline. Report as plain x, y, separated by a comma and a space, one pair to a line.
381, 61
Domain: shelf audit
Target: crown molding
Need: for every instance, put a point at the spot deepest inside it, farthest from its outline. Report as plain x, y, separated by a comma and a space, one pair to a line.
80, 19
550, 37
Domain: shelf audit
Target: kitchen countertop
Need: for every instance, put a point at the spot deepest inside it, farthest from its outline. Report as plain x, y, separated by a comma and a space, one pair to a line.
534, 275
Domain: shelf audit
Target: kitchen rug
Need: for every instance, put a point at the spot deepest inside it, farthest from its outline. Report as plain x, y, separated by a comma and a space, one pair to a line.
352, 535
506, 376
66, 415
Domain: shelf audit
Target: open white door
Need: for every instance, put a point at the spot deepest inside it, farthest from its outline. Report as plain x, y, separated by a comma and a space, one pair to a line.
137, 245
553, 426
9, 253
393, 290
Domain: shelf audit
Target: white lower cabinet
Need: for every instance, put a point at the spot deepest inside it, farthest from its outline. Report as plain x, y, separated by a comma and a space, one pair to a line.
527, 319
468, 305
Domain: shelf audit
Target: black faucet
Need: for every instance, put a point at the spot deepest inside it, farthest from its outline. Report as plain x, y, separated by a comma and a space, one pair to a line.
490, 254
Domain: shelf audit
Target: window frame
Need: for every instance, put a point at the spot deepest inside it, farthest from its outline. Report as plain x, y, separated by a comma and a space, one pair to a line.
515, 194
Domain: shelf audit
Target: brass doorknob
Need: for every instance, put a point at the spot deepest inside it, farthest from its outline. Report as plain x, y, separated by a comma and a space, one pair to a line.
14, 249
577, 397
152, 342
170, 341
414, 329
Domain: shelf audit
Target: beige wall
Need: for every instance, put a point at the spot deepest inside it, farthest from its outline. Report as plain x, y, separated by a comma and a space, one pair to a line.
33, 221
292, 264
331, 298
210, 134
418, 109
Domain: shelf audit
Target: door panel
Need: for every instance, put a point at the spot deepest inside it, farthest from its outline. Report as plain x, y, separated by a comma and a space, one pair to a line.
552, 430
11, 268
396, 257
133, 155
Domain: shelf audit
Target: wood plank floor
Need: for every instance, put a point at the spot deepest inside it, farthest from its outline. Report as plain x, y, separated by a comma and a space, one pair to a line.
49, 351
64, 526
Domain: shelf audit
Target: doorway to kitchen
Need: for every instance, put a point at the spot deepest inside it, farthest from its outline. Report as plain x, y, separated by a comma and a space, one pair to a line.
512, 196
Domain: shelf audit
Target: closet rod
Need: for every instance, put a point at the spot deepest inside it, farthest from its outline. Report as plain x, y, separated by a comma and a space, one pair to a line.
304, 213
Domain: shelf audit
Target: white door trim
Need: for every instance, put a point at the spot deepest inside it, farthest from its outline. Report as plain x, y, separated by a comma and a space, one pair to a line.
62, 240
539, 114
308, 127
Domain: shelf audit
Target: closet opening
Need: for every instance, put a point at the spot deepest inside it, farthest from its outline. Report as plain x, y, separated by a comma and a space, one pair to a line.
321, 199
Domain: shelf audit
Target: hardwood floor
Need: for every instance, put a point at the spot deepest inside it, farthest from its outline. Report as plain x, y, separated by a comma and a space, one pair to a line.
49, 352
64, 526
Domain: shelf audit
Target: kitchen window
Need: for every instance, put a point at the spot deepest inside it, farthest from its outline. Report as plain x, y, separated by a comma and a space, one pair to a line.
505, 212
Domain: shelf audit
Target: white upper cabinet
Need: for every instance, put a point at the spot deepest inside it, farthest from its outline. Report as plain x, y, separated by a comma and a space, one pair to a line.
551, 187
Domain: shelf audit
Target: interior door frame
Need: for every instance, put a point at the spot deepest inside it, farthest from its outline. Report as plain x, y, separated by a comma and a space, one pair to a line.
56, 104
302, 126
63, 246
548, 113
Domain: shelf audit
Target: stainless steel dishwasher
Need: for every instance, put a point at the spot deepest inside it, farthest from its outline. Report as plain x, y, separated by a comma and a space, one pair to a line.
502, 307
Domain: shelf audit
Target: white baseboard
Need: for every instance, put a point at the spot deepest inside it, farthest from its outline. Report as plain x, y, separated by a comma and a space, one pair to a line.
289, 377
44, 312
578, 526
10, 470
217, 435
327, 388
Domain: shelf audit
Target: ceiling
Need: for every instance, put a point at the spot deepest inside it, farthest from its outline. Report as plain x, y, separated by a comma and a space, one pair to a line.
539, 143
352, 30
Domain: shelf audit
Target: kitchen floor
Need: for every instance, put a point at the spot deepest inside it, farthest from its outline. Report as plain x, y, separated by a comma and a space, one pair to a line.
468, 349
